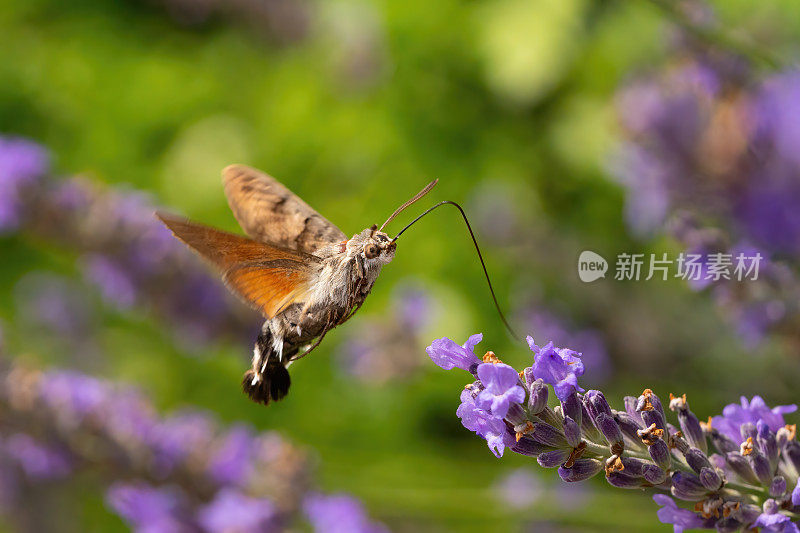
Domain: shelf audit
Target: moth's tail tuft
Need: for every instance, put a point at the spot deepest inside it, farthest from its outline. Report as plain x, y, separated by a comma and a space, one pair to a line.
272, 385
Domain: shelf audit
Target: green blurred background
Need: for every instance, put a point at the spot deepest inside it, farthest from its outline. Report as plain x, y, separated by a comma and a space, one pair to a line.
355, 105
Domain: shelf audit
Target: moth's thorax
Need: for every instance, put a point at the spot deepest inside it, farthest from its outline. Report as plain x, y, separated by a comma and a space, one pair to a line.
349, 266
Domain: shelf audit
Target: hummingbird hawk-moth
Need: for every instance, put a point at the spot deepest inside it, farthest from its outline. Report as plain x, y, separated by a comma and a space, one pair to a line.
297, 269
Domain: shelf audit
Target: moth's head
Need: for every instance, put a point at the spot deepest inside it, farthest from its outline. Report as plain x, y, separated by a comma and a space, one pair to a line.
375, 246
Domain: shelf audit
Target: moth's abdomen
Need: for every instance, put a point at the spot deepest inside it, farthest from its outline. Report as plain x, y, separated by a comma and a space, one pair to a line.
268, 380
273, 384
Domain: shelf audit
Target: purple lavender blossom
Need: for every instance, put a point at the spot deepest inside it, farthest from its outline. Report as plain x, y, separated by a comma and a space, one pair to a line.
774, 522
644, 177
491, 428
796, 493
447, 354
175, 438
559, 367
338, 513
502, 388
768, 211
589, 342
753, 411
233, 512
413, 307
356, 355
681, 519
115, 285
39, 462
147, 509
54, 303
777, 109
21, 163
73, 394
230, 462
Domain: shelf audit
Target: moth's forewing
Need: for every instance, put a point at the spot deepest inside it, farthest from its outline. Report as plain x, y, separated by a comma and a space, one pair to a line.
266, 277
270, 213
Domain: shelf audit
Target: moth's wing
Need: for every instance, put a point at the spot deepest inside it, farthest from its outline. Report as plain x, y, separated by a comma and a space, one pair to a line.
269, 212
269, 286
268, 278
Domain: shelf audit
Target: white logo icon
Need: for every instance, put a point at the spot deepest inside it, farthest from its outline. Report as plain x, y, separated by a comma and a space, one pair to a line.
591, 266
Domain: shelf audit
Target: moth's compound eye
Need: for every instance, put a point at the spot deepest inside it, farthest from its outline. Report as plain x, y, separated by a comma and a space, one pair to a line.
371, 251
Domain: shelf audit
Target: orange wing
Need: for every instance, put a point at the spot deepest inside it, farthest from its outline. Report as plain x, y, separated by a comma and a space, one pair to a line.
266, 277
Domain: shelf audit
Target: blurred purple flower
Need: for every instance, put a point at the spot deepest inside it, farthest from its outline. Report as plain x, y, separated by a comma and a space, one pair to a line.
208, 477
233, 512
753, 411
754, 319
502, 388
705, 137
413, 309
559, 367
147, 509
519, 489
131, 418
176, 437
493, 205
777, 110
114, 282
385, 350
124, 251
232, 458
339, 513
447, 354
21, 163
645, 179
73, 394
38, 461
54, 303
768, 209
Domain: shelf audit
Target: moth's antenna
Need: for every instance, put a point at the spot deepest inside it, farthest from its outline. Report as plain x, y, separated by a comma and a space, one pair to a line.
416, 197
477, 249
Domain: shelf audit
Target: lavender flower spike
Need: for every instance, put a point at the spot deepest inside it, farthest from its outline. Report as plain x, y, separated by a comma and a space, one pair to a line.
182, 473
744, 485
